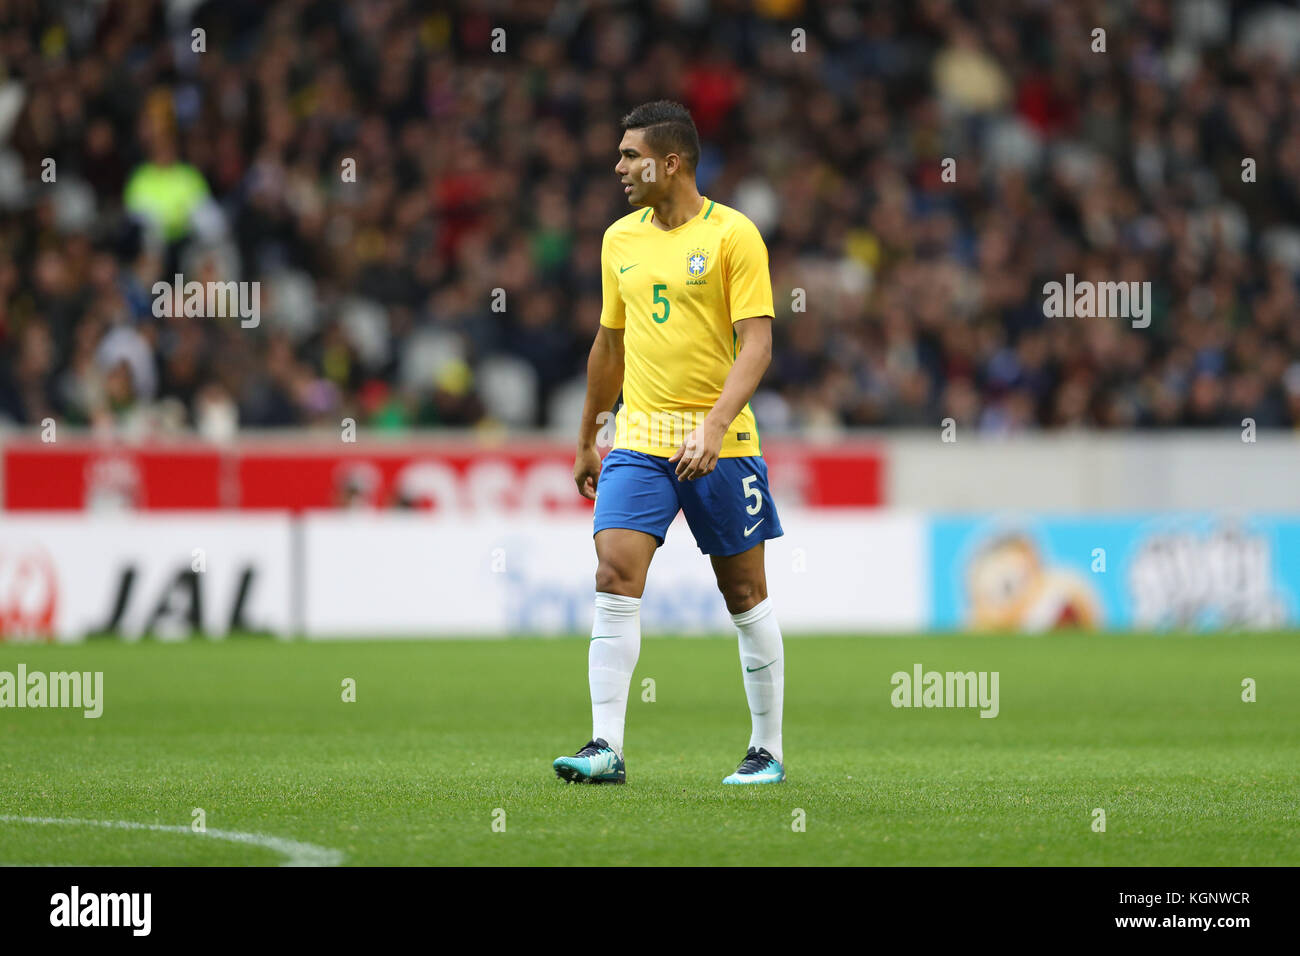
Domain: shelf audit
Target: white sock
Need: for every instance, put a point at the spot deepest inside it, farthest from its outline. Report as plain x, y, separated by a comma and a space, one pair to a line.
762, 662
615, 646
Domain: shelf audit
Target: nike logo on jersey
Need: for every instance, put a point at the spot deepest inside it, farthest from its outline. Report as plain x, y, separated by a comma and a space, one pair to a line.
749, 531
622, 269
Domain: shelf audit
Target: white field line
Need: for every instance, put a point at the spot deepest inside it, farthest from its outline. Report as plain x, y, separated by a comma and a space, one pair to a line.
295, 852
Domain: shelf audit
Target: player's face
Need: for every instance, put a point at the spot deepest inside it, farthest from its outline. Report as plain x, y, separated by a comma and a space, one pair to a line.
638, 169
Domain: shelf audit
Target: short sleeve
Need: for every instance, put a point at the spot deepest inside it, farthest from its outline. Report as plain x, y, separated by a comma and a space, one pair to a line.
749, 284
612, 312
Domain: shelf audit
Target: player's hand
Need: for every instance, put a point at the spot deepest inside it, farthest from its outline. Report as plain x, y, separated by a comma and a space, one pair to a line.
699, 453
586, 471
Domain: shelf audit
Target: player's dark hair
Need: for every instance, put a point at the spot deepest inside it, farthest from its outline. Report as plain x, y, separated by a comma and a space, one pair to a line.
668, 129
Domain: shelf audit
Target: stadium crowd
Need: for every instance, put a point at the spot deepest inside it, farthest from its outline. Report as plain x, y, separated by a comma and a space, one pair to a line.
904, 294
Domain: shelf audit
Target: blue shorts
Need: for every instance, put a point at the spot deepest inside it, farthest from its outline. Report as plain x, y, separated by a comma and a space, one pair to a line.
729, 510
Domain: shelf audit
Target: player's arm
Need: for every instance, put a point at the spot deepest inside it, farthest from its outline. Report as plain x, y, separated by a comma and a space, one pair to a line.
604, 375
699, 454
604, 380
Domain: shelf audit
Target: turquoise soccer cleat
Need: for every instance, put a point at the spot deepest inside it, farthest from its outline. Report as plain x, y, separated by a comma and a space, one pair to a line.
595, 763
759, 766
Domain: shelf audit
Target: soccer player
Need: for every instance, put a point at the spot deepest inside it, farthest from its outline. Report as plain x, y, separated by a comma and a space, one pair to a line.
686, 334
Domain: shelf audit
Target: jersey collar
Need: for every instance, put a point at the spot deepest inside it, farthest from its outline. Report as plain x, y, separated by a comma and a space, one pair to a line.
706, 207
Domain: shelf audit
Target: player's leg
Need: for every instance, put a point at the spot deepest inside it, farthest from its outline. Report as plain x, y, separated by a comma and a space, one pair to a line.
731, 514
742, 579
635, 503
622, 560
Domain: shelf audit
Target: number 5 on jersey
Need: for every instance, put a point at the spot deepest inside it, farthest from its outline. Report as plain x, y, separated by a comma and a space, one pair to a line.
661, 319
752, 492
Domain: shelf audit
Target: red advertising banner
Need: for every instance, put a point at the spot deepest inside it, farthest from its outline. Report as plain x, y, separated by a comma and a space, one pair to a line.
847, 476
455, 476
106, 476
458, 478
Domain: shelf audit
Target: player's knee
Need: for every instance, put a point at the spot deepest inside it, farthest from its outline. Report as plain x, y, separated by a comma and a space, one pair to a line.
613, 577
742, 595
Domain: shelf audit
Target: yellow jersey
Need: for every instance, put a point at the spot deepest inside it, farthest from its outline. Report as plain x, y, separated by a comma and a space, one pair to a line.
676, 293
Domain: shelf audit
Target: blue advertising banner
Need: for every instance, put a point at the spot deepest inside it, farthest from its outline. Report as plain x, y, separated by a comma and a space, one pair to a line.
1039, 573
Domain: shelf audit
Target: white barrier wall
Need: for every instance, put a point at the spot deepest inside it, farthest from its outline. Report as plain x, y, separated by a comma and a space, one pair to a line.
368, 574
418, 575
1212, 470
68, 575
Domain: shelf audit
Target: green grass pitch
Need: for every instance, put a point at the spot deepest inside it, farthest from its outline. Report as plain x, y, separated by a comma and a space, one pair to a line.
444, 734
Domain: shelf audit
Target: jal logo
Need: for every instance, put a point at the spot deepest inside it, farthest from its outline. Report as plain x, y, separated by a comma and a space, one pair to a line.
177, 604
29, 593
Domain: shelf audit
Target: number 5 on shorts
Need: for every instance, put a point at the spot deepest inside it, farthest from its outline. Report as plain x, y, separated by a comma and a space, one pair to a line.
751, 492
